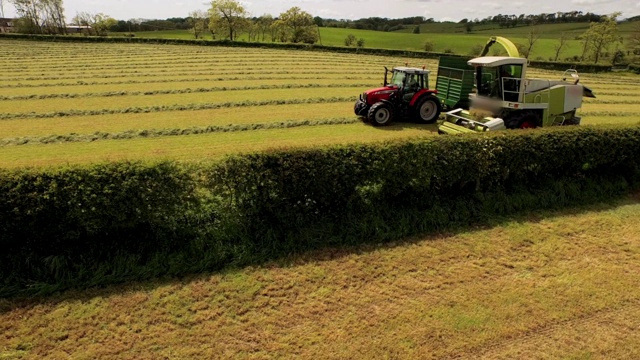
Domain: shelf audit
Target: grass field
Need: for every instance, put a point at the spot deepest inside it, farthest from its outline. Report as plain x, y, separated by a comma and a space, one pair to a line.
77, 103
447, 37
553, 285
546, 286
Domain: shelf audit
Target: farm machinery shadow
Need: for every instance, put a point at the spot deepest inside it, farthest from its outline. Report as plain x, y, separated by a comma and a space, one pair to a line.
405, 124
317, 254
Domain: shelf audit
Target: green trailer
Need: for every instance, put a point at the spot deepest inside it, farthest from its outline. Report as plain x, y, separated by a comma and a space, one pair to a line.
455, 81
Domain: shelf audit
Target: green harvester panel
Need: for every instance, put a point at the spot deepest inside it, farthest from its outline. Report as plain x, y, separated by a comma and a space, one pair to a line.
455, 81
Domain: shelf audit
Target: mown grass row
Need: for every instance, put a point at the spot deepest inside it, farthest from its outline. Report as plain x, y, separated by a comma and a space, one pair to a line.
203, 67
204, 147
180, 78
596, 113
121, 53
618, 85
152, 133
620, 94
612, 81
226, 71
185, 107
25, 108
198, 130
178, 91
614, 100
195, 62
96, 103
117, 123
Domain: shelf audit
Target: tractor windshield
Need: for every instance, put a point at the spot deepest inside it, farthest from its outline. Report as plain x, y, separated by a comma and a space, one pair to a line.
397, 79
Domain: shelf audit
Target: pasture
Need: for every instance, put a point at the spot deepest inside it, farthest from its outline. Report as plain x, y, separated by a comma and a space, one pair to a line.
67, 103
446, 37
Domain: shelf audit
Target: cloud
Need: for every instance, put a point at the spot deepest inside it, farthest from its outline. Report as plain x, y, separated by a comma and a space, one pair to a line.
590, 2
492, 5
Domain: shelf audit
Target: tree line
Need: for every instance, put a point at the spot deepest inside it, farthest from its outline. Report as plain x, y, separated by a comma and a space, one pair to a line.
227, 19
544, 18
40, 16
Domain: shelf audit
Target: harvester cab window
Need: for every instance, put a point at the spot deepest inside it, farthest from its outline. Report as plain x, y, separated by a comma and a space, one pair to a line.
511, 77
488, 81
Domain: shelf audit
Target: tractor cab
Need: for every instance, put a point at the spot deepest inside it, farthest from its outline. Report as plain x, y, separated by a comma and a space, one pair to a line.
500, 78
405, 94
407, 81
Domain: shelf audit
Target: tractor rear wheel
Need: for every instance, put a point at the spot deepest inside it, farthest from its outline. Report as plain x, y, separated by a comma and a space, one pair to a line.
380, 114
427, 109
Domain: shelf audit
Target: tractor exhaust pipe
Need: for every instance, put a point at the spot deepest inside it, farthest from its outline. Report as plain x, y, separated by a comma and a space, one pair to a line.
386, 71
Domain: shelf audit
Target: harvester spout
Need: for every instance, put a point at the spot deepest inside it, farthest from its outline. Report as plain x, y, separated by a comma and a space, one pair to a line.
487, 46
510, 47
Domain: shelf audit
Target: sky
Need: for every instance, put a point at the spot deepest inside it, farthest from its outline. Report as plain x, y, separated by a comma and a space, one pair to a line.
440, 10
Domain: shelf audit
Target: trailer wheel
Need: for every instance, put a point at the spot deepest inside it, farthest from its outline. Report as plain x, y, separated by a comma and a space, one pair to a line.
428, 109
380, 114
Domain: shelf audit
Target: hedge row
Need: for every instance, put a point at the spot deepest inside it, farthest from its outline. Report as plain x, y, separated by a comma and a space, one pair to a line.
99, 224
561, 66
339, 49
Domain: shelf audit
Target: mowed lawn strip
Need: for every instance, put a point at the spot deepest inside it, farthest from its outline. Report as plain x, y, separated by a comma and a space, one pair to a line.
613, 108
256, 69
631, 119
123, 102
149, 77
6, 87
204, 146
561, 286
186, 62
173, 119
169, 85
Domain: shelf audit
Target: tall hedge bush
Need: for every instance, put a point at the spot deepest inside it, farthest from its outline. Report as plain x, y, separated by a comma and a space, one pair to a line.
97, 224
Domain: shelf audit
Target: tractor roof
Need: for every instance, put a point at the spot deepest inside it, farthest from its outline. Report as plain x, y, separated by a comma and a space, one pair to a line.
492, 61
411, 70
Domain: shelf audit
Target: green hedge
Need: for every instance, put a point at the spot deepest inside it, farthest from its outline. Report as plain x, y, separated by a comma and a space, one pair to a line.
561, 66
99, 224
339, 49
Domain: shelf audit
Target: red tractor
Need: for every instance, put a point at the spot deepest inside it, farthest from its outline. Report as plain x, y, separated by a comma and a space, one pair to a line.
407, 95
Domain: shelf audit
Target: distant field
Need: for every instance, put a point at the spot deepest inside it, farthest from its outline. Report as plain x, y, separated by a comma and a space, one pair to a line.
458, 43
79, 103
446, 37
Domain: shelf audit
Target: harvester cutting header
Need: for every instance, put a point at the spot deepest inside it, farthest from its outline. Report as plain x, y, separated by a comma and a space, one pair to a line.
496, 90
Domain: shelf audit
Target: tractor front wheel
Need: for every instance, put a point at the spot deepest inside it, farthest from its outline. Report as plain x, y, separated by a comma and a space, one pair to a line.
428, 109
380, 114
